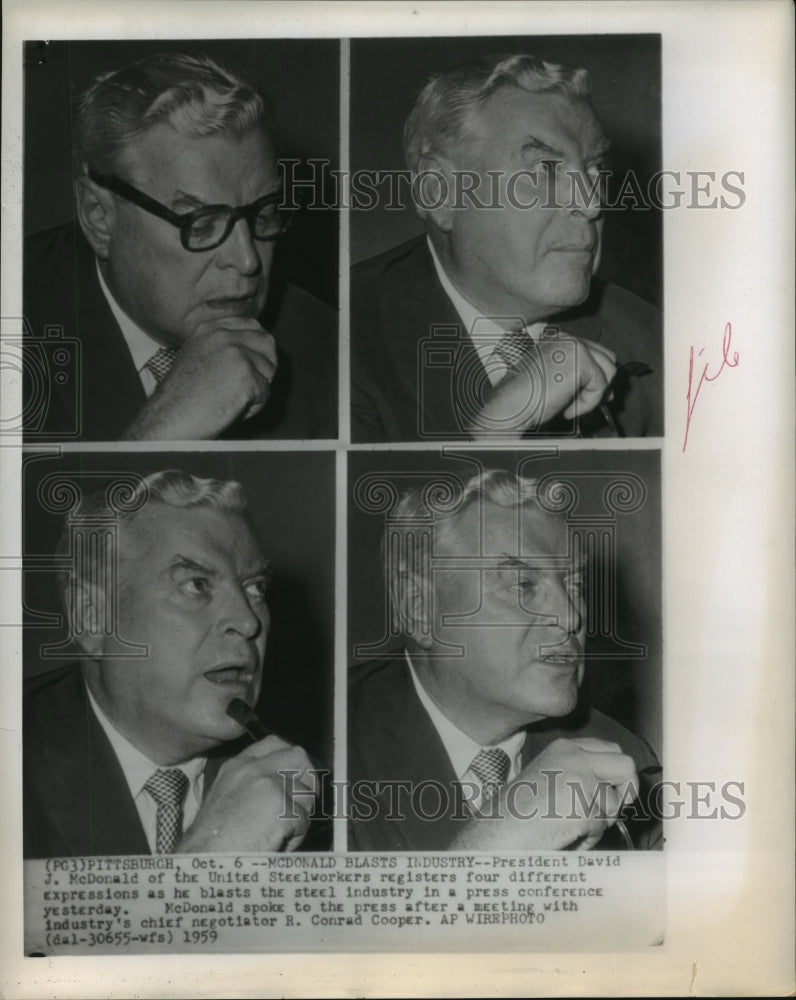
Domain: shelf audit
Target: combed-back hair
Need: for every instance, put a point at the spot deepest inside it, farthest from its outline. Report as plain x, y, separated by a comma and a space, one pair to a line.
406, 552
193, 94
171, 487
443, 114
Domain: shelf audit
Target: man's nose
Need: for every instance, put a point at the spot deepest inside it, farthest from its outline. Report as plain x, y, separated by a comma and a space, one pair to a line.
238, 617
564, 608
583, 193
239, 250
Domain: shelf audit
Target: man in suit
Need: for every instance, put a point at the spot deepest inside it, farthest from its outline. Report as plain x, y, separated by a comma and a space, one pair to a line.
490, 324
162, 291
472, 735
131, 750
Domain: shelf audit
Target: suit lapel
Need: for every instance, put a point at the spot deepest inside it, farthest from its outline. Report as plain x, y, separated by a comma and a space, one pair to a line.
110, 390
429, 352
409, 750
88, 799
116, 826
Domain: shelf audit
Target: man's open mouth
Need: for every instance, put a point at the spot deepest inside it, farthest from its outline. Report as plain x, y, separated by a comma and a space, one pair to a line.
233, 305
566, 656
234, 676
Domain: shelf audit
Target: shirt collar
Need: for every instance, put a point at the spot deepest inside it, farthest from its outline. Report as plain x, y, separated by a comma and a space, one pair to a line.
461, 748
137, 767
484, 331
139, 343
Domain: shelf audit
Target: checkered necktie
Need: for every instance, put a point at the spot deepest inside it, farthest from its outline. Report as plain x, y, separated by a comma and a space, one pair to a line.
168, 788
161, 361
512, 348
491, 767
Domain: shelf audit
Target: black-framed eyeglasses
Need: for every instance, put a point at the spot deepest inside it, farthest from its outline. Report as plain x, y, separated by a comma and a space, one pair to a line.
208, 227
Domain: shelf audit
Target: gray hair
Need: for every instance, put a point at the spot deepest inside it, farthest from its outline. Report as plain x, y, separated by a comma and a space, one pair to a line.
406, 547
194, 95
443, 114
171, 487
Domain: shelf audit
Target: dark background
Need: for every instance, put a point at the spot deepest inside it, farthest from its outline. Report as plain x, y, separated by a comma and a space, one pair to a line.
291, 504
388, 74
300, 78
629, 690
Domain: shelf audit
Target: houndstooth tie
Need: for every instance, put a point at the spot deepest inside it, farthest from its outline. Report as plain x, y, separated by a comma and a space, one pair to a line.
512, 348
516, 345
491, 767
161, 361
168, 788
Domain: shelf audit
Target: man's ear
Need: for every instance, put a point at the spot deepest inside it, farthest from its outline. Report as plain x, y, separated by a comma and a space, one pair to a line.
83, 603
96, 213
433, 188
411, 606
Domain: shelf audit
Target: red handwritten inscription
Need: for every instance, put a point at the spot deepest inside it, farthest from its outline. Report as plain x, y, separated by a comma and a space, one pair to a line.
726, 362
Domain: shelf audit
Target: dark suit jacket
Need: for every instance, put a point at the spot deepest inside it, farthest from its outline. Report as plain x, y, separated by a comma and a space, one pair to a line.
405, 382
92, 391
76, 799
392, 739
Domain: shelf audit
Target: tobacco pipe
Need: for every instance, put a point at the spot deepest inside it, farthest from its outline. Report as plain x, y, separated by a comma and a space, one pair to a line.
646, 773
245, 716
319, 837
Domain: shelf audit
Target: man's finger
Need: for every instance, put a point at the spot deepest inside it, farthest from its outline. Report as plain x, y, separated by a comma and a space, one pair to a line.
605, 361
259, 342
592, 744
263, 363
271, 744
303, 793
615, 768
590, 395
627, 791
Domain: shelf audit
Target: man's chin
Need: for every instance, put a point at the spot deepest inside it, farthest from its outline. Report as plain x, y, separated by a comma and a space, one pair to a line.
562, 701
215, 732
216, 726
571, 295
556, 301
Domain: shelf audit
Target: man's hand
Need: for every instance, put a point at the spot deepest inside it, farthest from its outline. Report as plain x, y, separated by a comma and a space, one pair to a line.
260, 801
222, 374
568, 796
563, 375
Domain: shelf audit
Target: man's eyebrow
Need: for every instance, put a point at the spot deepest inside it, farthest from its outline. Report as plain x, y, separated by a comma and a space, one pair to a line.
542, 561
531, 144
186, 200
508, 562
186, 562
182, 199
601, 147
264, 571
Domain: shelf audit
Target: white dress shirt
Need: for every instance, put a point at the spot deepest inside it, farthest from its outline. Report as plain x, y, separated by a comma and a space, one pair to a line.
484, 331
140, 345
461, 749
138, 769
